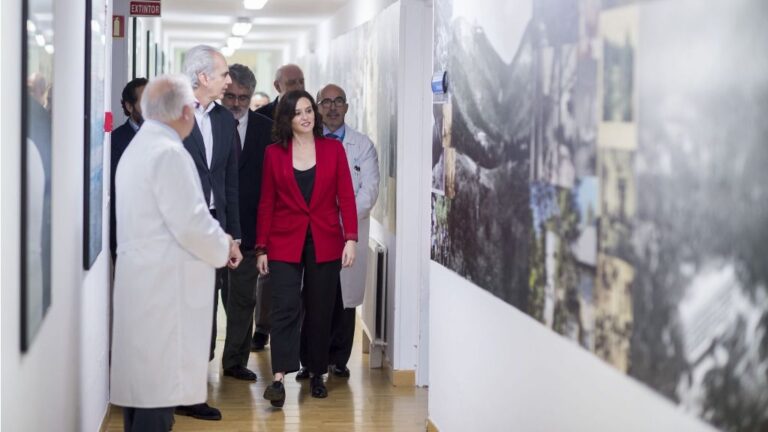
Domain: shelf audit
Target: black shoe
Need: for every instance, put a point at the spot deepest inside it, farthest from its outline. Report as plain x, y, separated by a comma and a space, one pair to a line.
302, 374
275, 394
240, 372
317, 387
340, 372
259, 341
201, 411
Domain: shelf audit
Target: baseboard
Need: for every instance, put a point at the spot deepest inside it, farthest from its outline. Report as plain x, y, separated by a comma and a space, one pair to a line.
400, 377
431, 426
366, 342
105, 421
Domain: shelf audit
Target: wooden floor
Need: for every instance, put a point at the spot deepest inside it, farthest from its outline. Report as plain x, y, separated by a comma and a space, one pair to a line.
365, 402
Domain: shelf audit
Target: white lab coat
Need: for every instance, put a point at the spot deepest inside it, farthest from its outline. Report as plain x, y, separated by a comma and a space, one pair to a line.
168, 248
364, 166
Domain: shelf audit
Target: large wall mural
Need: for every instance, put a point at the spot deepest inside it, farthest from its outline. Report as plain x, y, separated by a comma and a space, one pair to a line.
602, 166
364, 61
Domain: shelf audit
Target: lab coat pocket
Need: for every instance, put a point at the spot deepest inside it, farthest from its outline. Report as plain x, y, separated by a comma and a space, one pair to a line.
198, 279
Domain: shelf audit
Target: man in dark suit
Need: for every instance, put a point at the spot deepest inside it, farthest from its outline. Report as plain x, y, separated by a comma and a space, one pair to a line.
131, 102
288, 77
212, 146
254, 134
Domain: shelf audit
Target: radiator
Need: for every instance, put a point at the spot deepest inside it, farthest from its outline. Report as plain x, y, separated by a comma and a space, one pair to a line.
374, 310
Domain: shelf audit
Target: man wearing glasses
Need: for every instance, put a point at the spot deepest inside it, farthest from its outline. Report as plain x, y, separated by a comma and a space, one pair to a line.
254, 134
364, 167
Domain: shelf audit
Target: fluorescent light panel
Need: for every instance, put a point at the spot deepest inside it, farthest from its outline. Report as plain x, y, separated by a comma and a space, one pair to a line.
241, 28
234, 42
254, 4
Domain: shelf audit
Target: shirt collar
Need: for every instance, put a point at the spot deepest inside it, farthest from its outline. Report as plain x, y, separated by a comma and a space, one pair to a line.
135, 126
199, 107
340, 132
150, 124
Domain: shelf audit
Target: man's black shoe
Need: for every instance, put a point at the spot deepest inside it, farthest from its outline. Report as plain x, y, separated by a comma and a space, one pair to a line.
302, 374
275, 394
201, 411
259, 341
240, 372
317, 387
340, 372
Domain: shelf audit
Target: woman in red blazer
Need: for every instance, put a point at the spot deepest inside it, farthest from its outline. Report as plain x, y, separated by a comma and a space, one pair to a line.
306, 231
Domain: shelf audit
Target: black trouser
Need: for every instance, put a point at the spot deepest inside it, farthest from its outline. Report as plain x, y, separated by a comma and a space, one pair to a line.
147, 419
342, 332
320, 283
222, 284
261, 313
238, 303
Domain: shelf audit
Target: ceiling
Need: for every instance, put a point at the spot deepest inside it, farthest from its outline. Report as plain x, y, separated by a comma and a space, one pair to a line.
275, 27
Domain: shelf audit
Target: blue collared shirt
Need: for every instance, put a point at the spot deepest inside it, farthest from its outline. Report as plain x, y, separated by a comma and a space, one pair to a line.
340, 132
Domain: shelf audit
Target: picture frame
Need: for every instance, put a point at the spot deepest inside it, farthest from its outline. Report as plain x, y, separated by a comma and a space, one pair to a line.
94, 132
36, 132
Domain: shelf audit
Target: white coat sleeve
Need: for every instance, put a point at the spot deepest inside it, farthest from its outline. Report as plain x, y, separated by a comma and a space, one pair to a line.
369, 172
178, 194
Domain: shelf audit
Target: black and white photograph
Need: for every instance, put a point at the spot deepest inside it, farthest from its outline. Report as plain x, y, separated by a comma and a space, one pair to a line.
597, 180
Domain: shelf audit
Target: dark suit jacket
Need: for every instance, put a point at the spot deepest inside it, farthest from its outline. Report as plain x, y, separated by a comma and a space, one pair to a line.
258, 136
120, 139
284, 214
221, 179
268, 110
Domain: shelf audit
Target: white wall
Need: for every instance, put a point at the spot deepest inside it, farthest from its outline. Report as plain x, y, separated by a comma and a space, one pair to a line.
60, 383
121, 64
414, 162
493, 368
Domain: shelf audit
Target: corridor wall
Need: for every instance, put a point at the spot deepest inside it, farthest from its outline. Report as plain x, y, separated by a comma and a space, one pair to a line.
61, 382
599, 215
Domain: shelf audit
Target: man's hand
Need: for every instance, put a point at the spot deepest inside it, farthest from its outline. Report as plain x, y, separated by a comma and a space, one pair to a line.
262, 264
348, 255
235, 257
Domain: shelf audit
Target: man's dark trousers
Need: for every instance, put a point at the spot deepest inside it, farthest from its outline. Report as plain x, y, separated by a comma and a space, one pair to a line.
239, 301
147, 419
342, 332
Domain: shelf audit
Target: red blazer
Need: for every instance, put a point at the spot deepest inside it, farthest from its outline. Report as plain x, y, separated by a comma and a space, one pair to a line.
284, 215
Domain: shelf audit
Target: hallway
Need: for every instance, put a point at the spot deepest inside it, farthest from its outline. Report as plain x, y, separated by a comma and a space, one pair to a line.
365, 402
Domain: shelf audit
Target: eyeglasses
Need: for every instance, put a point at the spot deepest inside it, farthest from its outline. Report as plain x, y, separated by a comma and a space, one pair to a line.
230, 97
339, 101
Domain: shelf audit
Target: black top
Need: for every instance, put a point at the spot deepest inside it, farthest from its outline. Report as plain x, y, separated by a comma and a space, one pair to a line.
306, 182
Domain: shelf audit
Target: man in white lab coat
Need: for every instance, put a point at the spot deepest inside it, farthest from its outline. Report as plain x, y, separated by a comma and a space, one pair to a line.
364, 166
169, 248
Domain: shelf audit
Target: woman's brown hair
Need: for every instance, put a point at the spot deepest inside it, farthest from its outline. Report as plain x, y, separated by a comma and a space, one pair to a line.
282, 132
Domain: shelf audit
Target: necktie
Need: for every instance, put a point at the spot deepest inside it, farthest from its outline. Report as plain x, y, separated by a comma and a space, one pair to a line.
238, 142
332, 136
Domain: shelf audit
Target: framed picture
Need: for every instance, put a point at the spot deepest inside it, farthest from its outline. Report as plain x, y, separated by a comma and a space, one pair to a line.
95, 55
37, 75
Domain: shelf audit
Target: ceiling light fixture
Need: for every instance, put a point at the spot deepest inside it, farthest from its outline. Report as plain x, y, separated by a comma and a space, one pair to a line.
254, 4
242, 27
227, 51
234, 42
